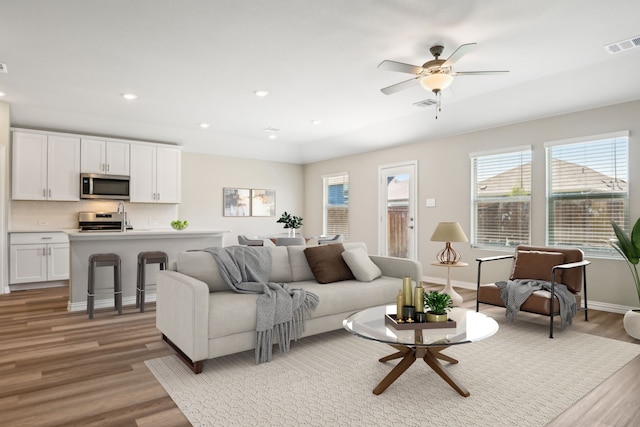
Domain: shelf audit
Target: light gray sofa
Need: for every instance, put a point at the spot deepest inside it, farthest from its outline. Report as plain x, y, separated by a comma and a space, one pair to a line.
202, 318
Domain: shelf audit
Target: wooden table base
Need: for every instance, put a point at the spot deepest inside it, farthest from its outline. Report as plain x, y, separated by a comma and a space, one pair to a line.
431, 356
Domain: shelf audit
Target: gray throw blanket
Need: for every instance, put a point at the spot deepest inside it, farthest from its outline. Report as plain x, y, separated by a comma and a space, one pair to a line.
515, 292
280, 309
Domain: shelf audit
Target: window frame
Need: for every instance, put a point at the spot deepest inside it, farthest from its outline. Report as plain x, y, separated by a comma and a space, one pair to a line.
325, 202
550, 197
517, 150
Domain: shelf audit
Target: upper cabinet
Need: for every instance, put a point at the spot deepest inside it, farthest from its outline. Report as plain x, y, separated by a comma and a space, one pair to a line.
104, 157
155, 174
45, 167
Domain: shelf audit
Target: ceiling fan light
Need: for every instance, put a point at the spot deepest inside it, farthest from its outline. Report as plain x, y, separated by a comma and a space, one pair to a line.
436, 82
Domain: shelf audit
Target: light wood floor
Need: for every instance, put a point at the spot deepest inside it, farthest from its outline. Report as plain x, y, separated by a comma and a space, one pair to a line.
60, 368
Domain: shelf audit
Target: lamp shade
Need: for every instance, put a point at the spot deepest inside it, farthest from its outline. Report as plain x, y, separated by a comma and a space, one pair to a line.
436, 82
448, 232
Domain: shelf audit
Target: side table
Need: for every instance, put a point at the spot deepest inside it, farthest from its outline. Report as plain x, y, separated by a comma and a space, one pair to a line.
448, 289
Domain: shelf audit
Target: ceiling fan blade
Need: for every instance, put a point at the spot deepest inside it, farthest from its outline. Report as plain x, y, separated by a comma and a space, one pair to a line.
476, 73
400, 67
459, 53
389, 90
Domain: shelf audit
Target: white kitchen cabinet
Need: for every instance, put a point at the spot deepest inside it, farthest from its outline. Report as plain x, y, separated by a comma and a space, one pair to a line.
104, 157
45, 167
155, 174
38, 257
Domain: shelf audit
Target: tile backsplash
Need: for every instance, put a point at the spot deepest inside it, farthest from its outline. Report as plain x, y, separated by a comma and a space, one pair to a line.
36, 215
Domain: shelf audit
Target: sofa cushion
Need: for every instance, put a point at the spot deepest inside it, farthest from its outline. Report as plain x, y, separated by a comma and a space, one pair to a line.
326, 263
280, 269
298, 262
536, 265
201, 265
361, 265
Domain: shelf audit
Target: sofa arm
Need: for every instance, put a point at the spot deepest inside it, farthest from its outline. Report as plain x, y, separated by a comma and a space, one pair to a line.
182, 313
398, 267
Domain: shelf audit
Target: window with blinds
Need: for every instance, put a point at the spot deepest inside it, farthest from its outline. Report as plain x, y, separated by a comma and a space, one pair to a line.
587, 188
501, 194
336, 205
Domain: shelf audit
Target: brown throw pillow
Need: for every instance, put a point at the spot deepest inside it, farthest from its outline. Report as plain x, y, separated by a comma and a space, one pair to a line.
536, 265
327, 264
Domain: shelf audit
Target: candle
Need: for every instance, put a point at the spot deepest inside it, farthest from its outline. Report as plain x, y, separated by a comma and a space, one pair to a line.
406, 290
418, 299
399, 305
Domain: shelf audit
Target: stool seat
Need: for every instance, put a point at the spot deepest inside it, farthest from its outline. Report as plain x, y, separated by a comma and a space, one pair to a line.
104, 260
144, 259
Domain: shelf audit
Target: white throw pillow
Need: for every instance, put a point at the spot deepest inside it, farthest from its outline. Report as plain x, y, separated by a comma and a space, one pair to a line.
363, 269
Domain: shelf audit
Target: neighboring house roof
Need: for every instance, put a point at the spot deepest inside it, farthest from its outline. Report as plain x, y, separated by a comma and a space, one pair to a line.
570, 178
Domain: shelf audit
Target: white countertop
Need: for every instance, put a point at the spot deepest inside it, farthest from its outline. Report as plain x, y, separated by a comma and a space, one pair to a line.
76, 235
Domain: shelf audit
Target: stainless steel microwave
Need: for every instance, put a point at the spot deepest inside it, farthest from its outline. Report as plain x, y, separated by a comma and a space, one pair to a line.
95, 186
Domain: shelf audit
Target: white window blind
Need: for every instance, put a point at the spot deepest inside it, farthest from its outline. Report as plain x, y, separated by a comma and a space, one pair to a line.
501, 194
587, 188
336, 205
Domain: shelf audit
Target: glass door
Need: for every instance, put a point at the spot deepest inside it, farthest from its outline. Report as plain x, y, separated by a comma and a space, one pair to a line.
398, 224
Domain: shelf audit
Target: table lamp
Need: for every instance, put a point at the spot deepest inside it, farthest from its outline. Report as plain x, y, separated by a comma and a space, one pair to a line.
448, 232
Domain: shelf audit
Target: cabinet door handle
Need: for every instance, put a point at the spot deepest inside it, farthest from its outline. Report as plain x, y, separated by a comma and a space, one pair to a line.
47, 238
44, 192
158, 196
44, 251
49, 252
49, 192
108, 167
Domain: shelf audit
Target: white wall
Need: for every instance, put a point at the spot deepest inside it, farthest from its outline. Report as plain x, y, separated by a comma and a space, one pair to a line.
205, 176
444, 174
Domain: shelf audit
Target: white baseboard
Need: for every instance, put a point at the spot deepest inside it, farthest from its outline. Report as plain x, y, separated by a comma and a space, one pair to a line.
593, 305
108, 303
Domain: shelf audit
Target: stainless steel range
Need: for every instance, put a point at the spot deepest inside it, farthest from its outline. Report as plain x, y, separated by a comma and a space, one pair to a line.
101, 221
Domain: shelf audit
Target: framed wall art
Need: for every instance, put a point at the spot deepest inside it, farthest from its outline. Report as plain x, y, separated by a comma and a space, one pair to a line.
237, 201
263, 202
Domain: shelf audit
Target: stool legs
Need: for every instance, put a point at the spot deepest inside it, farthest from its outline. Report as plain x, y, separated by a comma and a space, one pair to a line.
117, 287
104, 260
144, 259
90, 290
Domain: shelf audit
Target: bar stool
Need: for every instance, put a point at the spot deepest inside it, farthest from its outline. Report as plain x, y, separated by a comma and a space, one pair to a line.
144, 258
104, 260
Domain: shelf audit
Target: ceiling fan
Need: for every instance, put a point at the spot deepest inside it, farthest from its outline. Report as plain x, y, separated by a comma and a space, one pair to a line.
434, 75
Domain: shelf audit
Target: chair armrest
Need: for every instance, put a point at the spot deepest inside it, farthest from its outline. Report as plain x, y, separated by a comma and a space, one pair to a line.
570, 265
495, 258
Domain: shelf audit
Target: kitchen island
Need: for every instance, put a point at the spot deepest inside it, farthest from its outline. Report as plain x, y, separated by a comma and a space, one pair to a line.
127, 245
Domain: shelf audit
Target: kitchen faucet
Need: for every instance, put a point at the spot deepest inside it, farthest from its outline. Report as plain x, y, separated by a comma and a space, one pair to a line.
124, 216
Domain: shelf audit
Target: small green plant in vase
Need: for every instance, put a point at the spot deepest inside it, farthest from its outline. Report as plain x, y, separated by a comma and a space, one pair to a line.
290, 222
438, 305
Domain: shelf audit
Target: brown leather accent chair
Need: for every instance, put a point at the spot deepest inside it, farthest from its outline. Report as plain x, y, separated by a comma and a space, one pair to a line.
556, 265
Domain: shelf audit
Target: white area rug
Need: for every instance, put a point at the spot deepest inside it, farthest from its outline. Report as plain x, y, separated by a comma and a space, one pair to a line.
517, 377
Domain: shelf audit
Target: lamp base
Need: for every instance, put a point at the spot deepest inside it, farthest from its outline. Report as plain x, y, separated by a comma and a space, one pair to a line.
448, 255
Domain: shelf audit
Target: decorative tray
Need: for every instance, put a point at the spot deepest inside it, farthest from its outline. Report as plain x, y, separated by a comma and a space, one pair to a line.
390, 319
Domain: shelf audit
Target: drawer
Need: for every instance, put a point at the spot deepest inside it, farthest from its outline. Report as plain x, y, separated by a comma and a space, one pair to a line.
35, 238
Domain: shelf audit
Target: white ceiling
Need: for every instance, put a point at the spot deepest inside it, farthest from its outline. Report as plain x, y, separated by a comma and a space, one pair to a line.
194, 61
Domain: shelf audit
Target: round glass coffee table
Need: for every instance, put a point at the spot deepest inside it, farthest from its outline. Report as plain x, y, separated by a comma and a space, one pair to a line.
428, 343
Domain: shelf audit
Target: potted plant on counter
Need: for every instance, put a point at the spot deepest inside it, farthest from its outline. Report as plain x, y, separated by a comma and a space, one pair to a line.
629, 247
437, 305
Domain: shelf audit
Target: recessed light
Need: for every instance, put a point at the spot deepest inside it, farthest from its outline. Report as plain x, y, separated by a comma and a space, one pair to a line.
261, 93
129, 96
204, 125
3, 94
273, 136
316, 122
